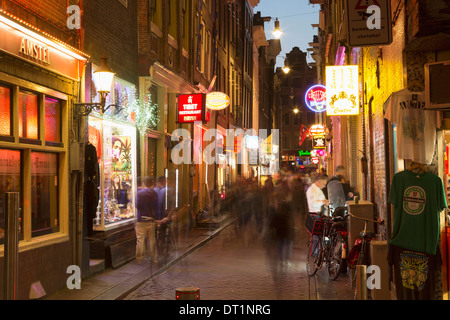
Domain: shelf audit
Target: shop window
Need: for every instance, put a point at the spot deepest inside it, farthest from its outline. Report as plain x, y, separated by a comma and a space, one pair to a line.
10, 177
44, 193
52, 120
28, 115
5, 111
119, 145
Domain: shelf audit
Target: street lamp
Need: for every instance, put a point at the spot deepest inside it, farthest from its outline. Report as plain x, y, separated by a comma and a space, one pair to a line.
103, 78
277, 31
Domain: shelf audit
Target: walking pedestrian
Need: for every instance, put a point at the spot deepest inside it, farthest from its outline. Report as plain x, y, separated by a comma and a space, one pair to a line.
281, 227
146, 205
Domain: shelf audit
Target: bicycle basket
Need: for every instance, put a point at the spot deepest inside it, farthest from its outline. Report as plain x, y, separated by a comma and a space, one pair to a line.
310, 220
319, 224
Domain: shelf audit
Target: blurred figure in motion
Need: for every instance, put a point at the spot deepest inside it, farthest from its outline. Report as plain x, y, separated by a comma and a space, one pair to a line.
279, 236
146, 205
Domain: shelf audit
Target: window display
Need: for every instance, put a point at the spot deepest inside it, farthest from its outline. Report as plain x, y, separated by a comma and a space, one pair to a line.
118, 144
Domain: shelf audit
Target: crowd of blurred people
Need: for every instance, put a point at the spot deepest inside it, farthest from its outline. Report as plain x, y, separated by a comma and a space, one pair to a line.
275, 208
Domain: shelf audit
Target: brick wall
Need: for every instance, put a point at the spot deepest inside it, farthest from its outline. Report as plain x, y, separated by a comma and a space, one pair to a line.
387, 62
49, 16
111, 28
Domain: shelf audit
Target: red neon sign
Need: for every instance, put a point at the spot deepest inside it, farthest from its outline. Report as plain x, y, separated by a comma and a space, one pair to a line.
191, 107
315, 98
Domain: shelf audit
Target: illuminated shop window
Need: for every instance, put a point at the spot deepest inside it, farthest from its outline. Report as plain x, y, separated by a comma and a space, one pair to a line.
52, 120
44, 193
10, 177
28, 115
5, 111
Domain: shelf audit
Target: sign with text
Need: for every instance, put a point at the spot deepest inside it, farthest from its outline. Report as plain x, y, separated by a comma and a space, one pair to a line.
342, 90
369, 22
40, 50
317, 130
191, 108
217, 100
304, 153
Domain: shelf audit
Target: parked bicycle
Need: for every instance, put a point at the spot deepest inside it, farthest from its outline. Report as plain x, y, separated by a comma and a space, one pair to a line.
359, 254
328, 243
325, 246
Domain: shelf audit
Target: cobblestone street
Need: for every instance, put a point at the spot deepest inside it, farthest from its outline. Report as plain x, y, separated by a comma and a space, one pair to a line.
233, 266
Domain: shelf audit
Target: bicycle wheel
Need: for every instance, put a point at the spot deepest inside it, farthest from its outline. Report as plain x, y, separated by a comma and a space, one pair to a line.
334, 257
314, 255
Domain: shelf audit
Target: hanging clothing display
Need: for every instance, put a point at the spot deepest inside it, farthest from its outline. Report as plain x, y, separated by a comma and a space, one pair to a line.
91, 192
416, 127
418, 199
415, 273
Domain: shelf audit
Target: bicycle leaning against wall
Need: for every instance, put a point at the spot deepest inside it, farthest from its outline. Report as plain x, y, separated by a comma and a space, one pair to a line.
359, 255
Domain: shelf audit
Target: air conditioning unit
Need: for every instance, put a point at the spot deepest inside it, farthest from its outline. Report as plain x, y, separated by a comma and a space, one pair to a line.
437, 85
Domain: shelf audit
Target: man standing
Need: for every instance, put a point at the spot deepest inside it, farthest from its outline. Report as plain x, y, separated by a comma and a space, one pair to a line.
146, 205
315, 196
340, 175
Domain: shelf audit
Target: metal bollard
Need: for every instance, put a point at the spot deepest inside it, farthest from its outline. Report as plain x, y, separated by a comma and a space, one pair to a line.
188, 293
361, 282
11, 258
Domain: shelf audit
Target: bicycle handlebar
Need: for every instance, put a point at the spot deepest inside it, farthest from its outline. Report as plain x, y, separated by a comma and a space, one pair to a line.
379, 221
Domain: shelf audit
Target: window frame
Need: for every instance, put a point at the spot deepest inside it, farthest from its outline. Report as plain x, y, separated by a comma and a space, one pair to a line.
27, 147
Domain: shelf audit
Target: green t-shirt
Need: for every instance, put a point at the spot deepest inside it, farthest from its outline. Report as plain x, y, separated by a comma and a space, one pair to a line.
418, 198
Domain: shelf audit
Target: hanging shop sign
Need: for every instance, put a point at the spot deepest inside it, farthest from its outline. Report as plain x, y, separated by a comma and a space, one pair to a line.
318, 142
315, 160
342, 90
369, 22
191, 108
217, 100
317, 130
315, 98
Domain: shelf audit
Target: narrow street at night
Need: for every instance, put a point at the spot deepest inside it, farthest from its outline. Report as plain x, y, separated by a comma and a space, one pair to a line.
225, 150
234, 266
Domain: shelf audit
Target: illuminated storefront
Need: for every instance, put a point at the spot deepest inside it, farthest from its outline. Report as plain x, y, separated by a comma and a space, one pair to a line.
38, 79
118, 170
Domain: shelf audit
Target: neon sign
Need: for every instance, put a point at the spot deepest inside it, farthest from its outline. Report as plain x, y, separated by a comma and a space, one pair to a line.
302, 153
217, 100
315, 98
317, 130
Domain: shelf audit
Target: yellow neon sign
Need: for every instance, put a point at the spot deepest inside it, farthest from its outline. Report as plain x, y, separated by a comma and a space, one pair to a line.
342, 90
